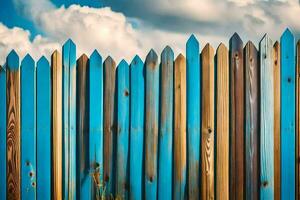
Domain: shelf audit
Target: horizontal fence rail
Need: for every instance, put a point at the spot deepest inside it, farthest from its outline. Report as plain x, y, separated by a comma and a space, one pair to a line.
213, 124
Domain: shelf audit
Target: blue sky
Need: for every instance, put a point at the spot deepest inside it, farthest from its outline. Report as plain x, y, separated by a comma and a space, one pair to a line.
123, 28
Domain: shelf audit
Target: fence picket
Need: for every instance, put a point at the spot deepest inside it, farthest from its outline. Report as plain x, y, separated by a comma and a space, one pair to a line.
44, 109
137, 95
166, 125
288, 72
56, 65
83, 182
151, 124
236, 118
123, 96
251, 121
266, 119
222, 124
276, 71
109, 124
28, 128
96, 124
13, 153
193, 66
3, 131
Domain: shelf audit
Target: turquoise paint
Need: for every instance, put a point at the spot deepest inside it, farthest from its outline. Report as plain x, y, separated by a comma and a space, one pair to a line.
123, 96
28, 128
166, 125
44, 134
288, 114
95, 123
137, 93
3, 132
193, 116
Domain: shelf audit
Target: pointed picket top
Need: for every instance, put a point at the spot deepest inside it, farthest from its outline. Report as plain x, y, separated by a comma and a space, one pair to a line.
83, 57
287, 34
266, 38
192, 41
151, 58
167, 54
109, 61
136, 61
69, 43
96, 55
55, 53
276, 44
12, 60
43, 62
208, 49
250, 44
123, 63
235, 37
222, 47
167, 51
265, 41
180, 58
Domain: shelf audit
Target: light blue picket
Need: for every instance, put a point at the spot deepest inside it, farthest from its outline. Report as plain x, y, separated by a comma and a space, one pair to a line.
3, 132
266, 119
166, 125
43, 100
95, 124
288, 73
28, 128
137, 93
151, 124
193, 116
69, 120
122, 176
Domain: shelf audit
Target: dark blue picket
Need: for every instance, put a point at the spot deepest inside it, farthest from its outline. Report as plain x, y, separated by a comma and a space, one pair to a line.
43, 98
137, 93
122, 176
95, 124
28, 128
151, 124
3, 132
69, 120
166, 125
193, 116
288, 149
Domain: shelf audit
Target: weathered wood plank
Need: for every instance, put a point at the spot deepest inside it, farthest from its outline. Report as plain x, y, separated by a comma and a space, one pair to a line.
69, 120
179, 171
266, 119
13, 184
222, 124
3, 131
166, 125
109, 124
28, 128
208, 126
44, 128
3, 121
236, 118
288, 115
123, 97
298, 121
56, 65
252, 121
83, 173
96, 125
193, 116
276, 71
137, 94
151, 124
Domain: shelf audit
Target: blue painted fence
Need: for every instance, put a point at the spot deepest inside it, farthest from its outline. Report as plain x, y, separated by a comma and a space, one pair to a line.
118, 126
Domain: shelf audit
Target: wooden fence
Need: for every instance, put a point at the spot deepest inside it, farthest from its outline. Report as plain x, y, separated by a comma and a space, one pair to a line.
222, 125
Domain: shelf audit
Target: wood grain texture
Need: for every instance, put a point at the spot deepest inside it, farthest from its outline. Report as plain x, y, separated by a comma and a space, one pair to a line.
96, 125
44, 129
222, 124
122, 165
151, 124
109, 124
208, 126
193, 66
251, 121
179, 159
13, 178
276, 71
137, 92
83, 173
166, 125
288, 115
3, 131
298, 121
266, 119
56, 66
28, 128
237, 159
